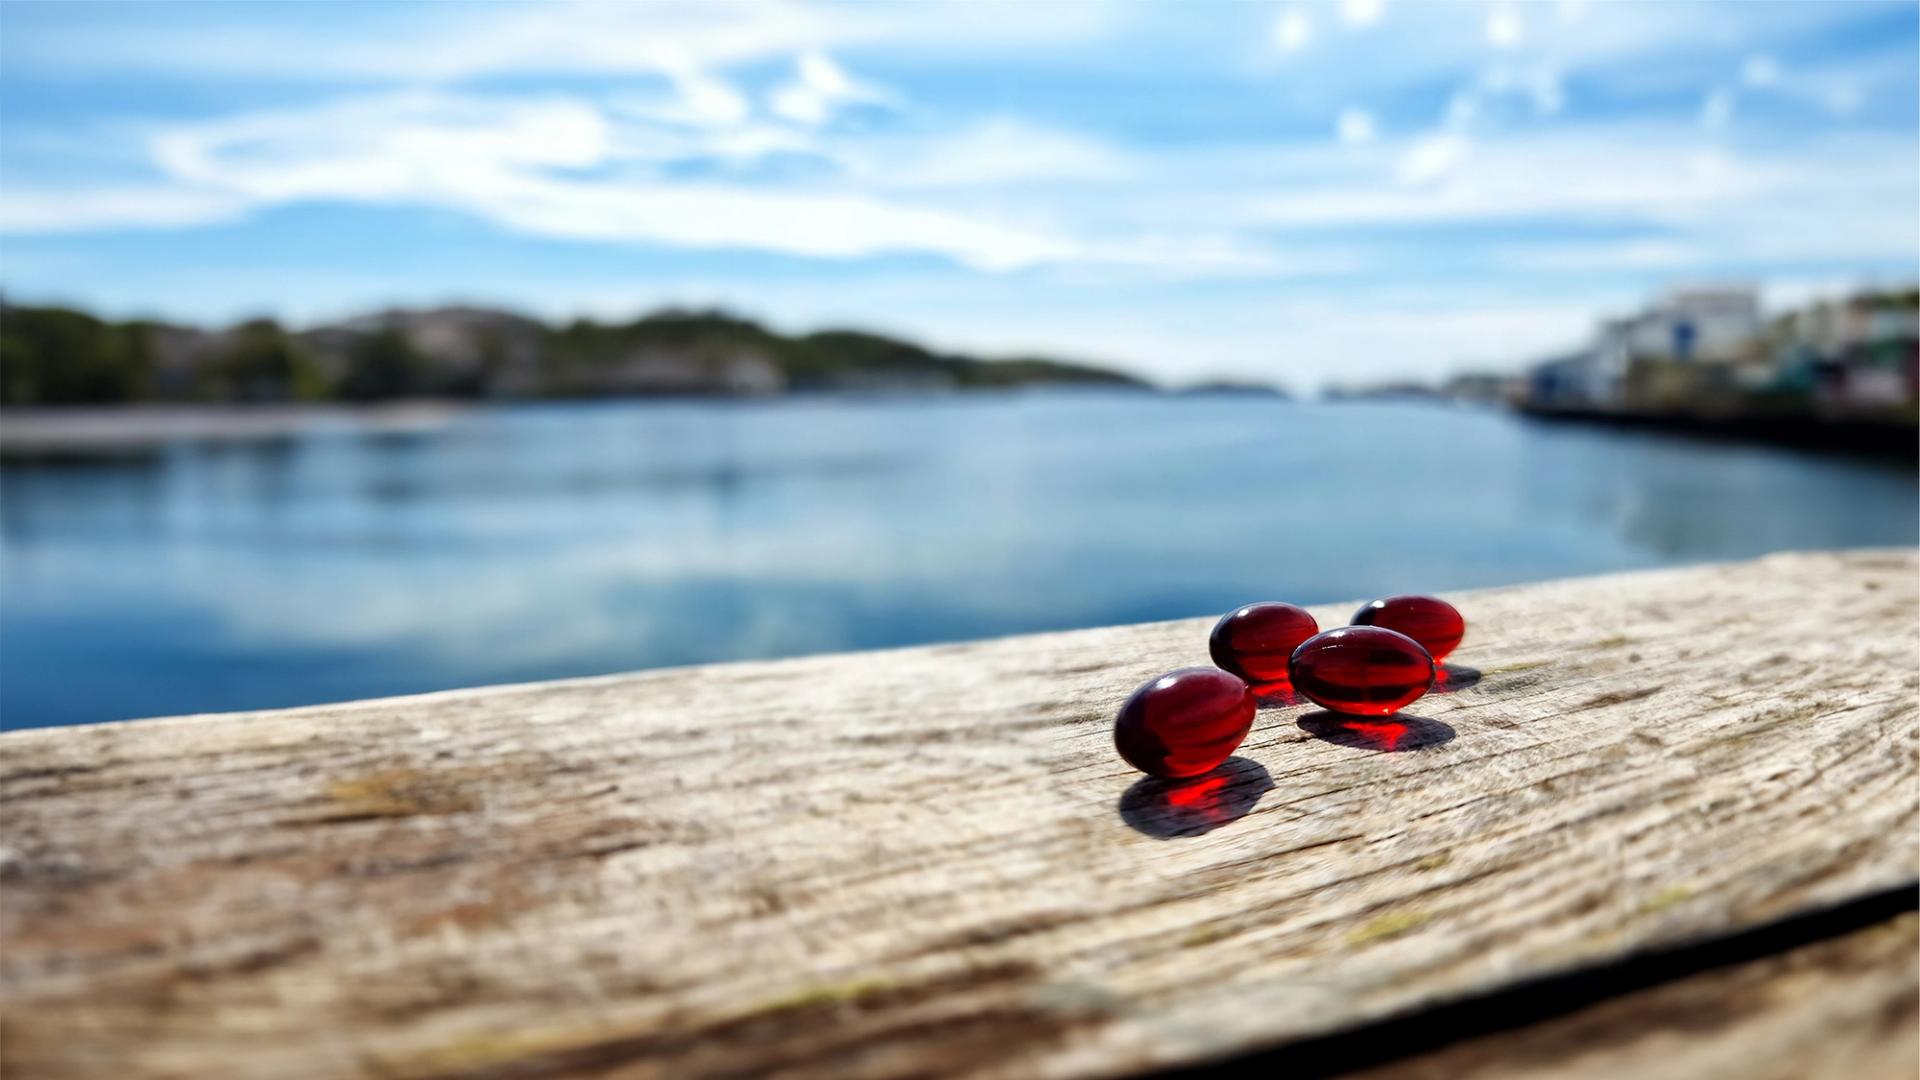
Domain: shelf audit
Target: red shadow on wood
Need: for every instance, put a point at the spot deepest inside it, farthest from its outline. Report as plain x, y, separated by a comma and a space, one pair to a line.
1382, 734
1169, 808
1276, 695
1453, 678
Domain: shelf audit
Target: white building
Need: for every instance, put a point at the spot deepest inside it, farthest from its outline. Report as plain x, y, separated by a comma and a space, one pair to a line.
1700, 323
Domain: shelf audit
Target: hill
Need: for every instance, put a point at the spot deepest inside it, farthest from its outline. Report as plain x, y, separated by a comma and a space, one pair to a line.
60, 356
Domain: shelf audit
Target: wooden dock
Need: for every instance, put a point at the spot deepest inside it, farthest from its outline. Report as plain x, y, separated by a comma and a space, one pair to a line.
1660, 825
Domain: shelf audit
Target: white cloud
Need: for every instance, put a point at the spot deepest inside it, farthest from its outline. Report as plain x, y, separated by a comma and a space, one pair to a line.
1361, 12
1541, 85
999, 151
1693, 210
700, 99
1504, 29
999, 195
820, 225
1432, 158
559, 166
1355, 126
412, 145
1292, 30
1841, 87
1537, 85
821, 88
1760, 70
1838, 87
1444, 177
497, 159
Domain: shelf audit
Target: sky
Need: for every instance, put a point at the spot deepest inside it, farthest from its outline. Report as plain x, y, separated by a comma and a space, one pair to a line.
1310, 193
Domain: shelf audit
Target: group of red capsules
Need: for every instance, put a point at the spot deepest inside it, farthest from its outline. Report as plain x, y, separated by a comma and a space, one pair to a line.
1188, 722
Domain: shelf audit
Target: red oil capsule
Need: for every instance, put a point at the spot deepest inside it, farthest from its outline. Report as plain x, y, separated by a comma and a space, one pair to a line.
1362, 670
1435, 624
1256, 641
1185, 722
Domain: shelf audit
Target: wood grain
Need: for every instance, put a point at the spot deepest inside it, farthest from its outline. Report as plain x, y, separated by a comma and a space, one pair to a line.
929, 861
1845, 1007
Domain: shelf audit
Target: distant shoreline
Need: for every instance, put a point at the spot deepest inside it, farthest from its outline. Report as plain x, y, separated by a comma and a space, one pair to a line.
133, 428
52, 356
87, 431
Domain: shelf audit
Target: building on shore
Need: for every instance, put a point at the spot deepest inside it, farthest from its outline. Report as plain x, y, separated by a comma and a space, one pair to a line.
1714, 323
1711, 352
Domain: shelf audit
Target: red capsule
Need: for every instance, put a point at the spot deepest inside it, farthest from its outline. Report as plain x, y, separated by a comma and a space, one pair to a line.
1434, 623
1185, 722
1256, 641
1362, 670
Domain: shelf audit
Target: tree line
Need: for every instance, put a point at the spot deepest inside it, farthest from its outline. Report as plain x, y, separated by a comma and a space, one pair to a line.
61, 356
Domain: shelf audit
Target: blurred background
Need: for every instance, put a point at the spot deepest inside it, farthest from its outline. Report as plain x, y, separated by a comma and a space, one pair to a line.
351, 350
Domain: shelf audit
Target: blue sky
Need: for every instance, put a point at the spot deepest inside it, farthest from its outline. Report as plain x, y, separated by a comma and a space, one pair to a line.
1297, 191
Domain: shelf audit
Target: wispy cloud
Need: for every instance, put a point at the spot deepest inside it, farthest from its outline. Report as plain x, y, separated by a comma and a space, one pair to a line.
1292, 30
1505, 28
560, 167
564, 166
1362, 12
820, 88
1355, 125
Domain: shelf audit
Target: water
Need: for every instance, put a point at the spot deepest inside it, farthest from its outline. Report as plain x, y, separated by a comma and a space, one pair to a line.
545, 541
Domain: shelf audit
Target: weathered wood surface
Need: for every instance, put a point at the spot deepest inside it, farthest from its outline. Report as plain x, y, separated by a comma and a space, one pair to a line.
1847, 1007
930, 860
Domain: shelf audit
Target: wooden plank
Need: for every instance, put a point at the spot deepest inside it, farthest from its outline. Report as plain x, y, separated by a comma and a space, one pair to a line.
930, 860
1843, 1007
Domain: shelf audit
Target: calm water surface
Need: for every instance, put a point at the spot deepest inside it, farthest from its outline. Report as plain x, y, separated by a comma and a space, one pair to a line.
545, 541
